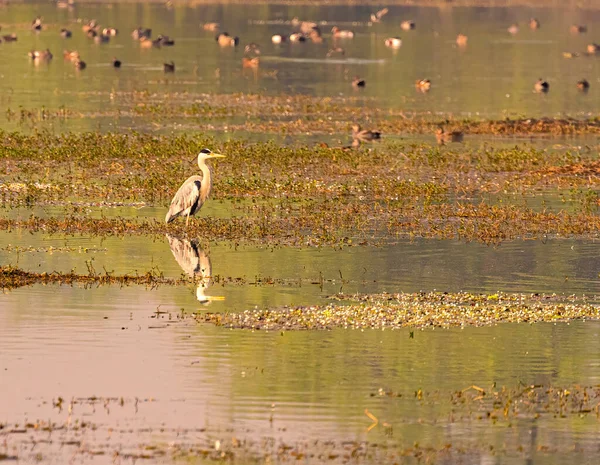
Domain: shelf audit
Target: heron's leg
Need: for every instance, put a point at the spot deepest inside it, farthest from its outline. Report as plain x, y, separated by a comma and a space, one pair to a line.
187, 220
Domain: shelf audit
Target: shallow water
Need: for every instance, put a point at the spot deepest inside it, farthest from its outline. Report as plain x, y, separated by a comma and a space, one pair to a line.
142, 382
492, 77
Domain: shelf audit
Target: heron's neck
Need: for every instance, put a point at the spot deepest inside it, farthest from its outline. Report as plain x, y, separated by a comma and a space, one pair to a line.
206, 181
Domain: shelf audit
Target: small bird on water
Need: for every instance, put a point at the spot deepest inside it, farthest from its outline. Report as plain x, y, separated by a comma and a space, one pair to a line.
194, 191
541, 86
364, 135
444, 137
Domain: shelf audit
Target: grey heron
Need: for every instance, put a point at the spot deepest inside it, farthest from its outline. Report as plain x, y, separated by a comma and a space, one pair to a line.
194, 191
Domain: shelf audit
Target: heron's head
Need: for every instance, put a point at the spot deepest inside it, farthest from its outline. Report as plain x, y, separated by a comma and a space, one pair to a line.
205, 154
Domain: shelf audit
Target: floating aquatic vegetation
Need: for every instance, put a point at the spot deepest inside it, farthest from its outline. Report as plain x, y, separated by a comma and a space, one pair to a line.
418, 310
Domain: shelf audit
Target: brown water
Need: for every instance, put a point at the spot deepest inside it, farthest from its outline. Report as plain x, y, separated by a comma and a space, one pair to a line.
140, 384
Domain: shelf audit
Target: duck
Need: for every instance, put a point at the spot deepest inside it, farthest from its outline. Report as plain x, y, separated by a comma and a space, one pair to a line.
101, 39
364, 135
306, 27
40, 54
91, 33
461, 40
65, 33
36, 24
149, 43
444, 137
278, 38
315, 36
213, 27
10, 37
225, 40
341, 33
116, 63
393, 42
407, 25
534, 23
252, 48
297, 37
583, 85
141, 33
79, 64
250, 62
376, 17
570, 54
577, 29
513, 29
358, 82
541, 86
110, 31
91, 25
165, 40
169, 67
71, 55
423, 85
592, 49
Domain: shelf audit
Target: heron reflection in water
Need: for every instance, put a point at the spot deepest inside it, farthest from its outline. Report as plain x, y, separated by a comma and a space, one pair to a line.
195, 262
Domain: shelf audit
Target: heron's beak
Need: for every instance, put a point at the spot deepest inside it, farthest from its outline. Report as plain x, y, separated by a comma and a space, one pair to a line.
216, 155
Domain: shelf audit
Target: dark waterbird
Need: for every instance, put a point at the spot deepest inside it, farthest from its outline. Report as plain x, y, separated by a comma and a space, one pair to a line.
169, 67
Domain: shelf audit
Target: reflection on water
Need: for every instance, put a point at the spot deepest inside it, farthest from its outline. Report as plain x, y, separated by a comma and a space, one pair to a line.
195, 262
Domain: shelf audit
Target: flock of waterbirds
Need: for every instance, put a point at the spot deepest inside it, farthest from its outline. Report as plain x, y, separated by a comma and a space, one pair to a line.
302, 31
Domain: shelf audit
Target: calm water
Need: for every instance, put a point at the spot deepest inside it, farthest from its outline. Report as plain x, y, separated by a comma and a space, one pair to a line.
184, 384
492, 77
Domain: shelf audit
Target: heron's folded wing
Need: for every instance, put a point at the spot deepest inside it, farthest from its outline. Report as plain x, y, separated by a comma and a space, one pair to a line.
187, 195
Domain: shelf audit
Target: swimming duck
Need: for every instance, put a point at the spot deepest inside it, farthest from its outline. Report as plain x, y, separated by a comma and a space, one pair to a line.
376, 17
91, 33
534, 23
541, 86
91, 25
513, 29
101, 39
116, 63
141, 33
169, 67
252, 48
278, 38
306, 27
65, 33
423, 85
250, 62
71, 55
149, 43
461, 40
110, 31
165, 40
393, 42
213, 27
364, 135
407, 25
40, 54
341, 34
79, 64
315, 36
36, 25
225, 40
570, 54
592, 49
583, 85
10, 37
577, 29
297, 37
444, 137
358, 82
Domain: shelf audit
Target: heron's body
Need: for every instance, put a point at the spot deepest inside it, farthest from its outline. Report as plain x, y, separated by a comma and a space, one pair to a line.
194, 191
